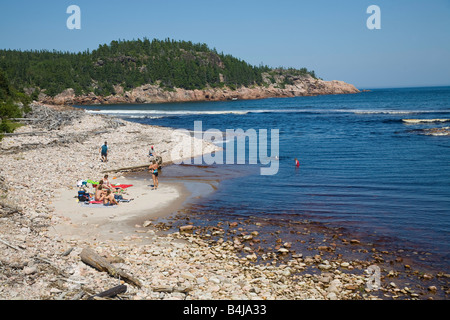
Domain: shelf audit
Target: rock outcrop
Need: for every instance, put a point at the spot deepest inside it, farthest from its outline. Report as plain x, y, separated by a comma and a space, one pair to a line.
152, 93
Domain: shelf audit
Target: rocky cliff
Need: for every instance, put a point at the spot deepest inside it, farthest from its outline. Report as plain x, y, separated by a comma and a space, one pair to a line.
274, 87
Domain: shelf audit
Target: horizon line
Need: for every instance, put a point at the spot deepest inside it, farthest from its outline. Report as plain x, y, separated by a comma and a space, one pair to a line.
403, 87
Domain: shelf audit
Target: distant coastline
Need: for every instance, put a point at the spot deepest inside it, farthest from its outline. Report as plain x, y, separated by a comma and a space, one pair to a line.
301, 86
154, 71
371, 88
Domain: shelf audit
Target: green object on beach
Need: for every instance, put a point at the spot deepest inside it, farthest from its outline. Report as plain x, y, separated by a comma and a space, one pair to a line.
90, 181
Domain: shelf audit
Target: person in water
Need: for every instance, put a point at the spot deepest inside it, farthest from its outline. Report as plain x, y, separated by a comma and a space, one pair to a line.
104, 152
297, 163
154, 170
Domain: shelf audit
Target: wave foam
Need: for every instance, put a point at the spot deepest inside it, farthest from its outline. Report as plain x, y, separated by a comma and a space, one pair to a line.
444, 131
414, 121
164, 113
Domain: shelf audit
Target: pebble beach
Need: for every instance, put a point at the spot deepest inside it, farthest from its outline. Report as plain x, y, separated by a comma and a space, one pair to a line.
43, 230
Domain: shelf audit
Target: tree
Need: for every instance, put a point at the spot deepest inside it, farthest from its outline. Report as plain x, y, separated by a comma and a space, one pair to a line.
11, 101
181, 64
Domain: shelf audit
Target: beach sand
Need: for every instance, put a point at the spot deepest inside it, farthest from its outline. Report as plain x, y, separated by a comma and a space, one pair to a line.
98, 222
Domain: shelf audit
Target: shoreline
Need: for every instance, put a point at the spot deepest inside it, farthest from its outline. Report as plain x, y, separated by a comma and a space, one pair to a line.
319, 252
39, 264
406, 274
149, 93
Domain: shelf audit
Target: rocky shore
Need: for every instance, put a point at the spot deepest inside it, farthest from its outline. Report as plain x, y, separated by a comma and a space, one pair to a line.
181, 264
301, 86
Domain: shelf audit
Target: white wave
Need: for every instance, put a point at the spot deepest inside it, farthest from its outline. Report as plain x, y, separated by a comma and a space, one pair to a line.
444, 131
439, 134
424, 120
353, 111
164, 112
143, 117
399, 111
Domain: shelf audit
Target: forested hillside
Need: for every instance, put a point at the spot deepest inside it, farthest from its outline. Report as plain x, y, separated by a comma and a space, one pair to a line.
169, 63
12, 104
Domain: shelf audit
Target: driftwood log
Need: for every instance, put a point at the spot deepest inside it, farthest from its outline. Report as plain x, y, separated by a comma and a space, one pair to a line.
25, 119
158, 159
127, 168
24, 133
90, 257
110, 292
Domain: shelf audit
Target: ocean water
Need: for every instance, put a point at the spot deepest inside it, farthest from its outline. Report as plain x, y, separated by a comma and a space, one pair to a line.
362, 167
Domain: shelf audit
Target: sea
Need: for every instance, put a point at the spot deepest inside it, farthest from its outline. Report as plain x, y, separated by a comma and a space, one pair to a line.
364, 171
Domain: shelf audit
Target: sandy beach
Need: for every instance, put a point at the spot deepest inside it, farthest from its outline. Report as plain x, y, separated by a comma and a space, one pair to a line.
99, 222
36, 166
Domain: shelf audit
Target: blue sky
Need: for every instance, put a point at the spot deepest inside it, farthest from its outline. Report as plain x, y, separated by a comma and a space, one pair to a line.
412, 48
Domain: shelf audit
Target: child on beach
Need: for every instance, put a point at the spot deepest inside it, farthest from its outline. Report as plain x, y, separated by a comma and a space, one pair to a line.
99, 193
109, 199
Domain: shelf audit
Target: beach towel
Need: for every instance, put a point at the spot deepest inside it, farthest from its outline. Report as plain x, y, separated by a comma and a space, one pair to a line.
123, 186
117, 185
95, 204
99, 204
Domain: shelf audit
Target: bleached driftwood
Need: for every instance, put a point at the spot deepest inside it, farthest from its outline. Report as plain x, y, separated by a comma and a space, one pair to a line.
90, 257
110, 292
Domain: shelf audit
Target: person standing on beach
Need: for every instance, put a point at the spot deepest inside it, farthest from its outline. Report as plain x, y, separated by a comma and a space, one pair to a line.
104, 152
154, 170
151, 153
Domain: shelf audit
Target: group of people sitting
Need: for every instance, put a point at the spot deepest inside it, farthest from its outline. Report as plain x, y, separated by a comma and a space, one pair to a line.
104, 192
107, 193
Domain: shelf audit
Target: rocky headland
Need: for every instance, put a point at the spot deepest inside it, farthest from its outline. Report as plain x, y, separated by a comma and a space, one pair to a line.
274, 88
